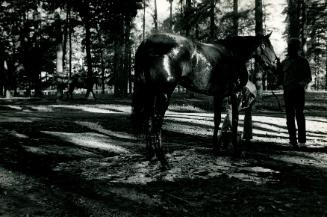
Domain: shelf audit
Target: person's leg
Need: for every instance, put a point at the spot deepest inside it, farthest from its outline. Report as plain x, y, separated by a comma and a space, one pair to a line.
290, 116
299, 111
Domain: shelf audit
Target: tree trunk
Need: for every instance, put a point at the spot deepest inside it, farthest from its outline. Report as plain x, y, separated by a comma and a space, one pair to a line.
258, 31
186, 17
70, 47
257, 77
101, 59
144, 6
13, 70
59, 63
2, 73
7, 85
88, 59
120, 76
293, 18
171, 15
155, 17
302, 9
212, 19
66, 26
128, 55
326, 68
85, 14
235, 18
326, 50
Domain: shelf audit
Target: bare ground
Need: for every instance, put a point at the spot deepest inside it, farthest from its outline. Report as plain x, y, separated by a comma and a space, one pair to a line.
80, 159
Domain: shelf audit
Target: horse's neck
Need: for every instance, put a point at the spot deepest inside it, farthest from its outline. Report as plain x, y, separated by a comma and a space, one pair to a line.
242, 47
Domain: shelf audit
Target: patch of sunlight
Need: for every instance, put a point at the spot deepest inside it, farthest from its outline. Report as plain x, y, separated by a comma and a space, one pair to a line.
134, 195
97, 127
18, 135
115, 107
305, 159
89, 140
96, 110
267, 133
193, 115
258, 169
17, 119
57, 150
84, 108
42, 108
8, 178
246, 177
269, 127
184, 164
185, 108
317, 127
15, 107
189, 129
190, 120
266, 119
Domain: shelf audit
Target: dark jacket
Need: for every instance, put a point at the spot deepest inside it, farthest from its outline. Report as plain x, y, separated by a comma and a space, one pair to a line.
295, 71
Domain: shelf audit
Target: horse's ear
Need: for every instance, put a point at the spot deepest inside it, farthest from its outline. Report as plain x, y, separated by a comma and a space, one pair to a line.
268, 35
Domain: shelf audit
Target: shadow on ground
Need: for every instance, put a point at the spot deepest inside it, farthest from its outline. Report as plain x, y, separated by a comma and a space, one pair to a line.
82, 160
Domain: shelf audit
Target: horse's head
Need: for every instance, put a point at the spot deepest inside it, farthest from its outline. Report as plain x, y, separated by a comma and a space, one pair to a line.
265, 54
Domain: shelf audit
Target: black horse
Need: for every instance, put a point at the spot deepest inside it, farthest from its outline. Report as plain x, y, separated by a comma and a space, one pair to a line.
81, 81
164, 60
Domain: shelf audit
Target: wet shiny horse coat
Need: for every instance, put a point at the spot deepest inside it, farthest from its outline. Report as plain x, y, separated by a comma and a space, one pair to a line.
164, 60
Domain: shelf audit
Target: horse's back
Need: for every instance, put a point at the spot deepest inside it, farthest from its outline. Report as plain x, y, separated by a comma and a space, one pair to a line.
168, 59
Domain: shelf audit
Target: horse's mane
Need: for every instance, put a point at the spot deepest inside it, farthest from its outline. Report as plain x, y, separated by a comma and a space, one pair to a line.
244, 45
239, 42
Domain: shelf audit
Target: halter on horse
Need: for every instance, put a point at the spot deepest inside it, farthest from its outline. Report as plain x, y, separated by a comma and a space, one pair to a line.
164, 60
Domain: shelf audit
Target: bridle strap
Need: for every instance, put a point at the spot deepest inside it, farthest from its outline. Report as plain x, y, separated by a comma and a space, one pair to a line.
264, 54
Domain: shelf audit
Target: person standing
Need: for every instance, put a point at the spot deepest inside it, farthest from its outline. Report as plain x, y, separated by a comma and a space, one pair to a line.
295, 74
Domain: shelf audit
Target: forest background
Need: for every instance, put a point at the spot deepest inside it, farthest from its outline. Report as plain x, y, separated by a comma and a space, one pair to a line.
44, 43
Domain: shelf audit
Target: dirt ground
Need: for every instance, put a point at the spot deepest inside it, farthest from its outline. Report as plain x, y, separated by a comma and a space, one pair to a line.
80, 158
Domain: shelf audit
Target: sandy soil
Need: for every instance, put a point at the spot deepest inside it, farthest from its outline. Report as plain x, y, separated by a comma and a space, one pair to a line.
81, 159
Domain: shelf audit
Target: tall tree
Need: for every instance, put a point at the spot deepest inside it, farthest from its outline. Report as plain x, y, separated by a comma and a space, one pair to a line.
293, 18
59, 60
258, 31
170, 15
212, 19
235, 17
85, 15
155, 16
144, 7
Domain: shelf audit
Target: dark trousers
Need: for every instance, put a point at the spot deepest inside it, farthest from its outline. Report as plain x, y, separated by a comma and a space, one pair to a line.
294, 104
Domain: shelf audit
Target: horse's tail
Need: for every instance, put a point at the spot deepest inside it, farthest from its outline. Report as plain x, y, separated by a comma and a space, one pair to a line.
139, 98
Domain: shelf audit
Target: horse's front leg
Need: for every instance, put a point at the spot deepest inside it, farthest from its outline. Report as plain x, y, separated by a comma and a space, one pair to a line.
154, 142
217, 119
149, 140
235, 116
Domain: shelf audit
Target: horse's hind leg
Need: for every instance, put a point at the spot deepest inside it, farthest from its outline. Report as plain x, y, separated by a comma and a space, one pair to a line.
217, 119
235, 117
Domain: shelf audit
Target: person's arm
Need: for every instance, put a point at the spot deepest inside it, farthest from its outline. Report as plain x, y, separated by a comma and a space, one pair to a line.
307, 78
279, 74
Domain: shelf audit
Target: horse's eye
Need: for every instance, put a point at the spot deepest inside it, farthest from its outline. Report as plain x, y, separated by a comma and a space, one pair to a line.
263, 46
